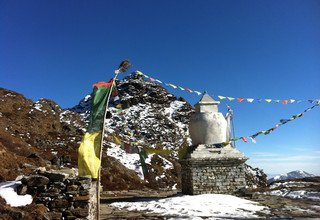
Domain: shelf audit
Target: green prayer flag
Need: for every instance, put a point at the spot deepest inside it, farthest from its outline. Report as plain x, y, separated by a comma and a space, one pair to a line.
143, 155
90, 146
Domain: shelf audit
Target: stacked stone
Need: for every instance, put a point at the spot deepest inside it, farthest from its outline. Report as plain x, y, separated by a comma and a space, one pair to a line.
202, 176
65, 197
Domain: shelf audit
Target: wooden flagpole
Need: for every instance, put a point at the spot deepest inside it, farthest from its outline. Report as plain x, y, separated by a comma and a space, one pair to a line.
122, 68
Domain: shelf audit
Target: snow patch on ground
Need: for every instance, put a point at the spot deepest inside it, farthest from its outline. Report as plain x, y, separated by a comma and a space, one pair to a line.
8, 193
198, 206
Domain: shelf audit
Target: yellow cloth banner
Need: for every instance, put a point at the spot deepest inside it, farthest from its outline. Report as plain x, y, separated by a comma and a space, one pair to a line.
89, 155
158, 151
116, 140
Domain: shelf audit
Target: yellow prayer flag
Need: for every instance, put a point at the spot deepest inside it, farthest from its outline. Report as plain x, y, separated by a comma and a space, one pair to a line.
116, 140
139, 73
89, 155
158, 151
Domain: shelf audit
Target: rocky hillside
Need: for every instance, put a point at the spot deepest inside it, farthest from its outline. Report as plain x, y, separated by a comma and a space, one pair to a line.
34, 134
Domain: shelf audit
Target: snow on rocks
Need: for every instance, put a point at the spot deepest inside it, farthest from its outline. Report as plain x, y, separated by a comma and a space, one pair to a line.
131, 161
298, 194
8, 193
198, 206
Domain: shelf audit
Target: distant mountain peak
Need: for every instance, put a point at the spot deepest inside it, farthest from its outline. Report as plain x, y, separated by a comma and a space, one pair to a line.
297, 174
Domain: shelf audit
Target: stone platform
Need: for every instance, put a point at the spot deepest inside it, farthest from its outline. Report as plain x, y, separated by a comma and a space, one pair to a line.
213, 170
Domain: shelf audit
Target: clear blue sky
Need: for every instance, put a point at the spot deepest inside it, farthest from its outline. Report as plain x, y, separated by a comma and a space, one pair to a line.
258, 49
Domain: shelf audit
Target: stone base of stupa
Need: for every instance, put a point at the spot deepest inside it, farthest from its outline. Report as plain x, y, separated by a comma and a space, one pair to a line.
213, 170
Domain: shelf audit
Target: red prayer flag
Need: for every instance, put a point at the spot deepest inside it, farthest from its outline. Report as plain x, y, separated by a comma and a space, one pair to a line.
244, 139
101, 84
284, 102
189, 90
240, 99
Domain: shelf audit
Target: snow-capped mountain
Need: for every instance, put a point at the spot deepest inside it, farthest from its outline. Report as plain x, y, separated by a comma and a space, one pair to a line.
297, 174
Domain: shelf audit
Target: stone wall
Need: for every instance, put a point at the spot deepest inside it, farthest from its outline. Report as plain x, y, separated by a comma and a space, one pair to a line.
201, 176
65, 196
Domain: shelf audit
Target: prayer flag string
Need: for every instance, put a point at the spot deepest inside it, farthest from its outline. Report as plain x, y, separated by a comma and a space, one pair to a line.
237, 99
265, 132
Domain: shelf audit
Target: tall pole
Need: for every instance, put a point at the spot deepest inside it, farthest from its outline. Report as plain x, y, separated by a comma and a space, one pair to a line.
122, 68
234, 135
230, 111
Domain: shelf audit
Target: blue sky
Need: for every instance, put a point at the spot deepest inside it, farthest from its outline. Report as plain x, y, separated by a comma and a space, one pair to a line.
253, 49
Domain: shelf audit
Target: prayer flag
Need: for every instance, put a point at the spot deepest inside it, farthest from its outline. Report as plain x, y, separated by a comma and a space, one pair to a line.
143, 156
158, 81
244, 139
173, 86
253, 140
158, 151
189, 90
240, 99
250, 100
182, 152
219, 145
199, 93
268, 100
116, 140
230, 98
90, 146
284, 102
221, 97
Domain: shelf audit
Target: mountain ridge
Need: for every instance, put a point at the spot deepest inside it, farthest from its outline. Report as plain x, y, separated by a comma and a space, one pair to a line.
296, 174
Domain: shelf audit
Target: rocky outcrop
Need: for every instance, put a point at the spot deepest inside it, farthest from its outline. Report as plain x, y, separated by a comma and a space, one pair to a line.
255, 177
